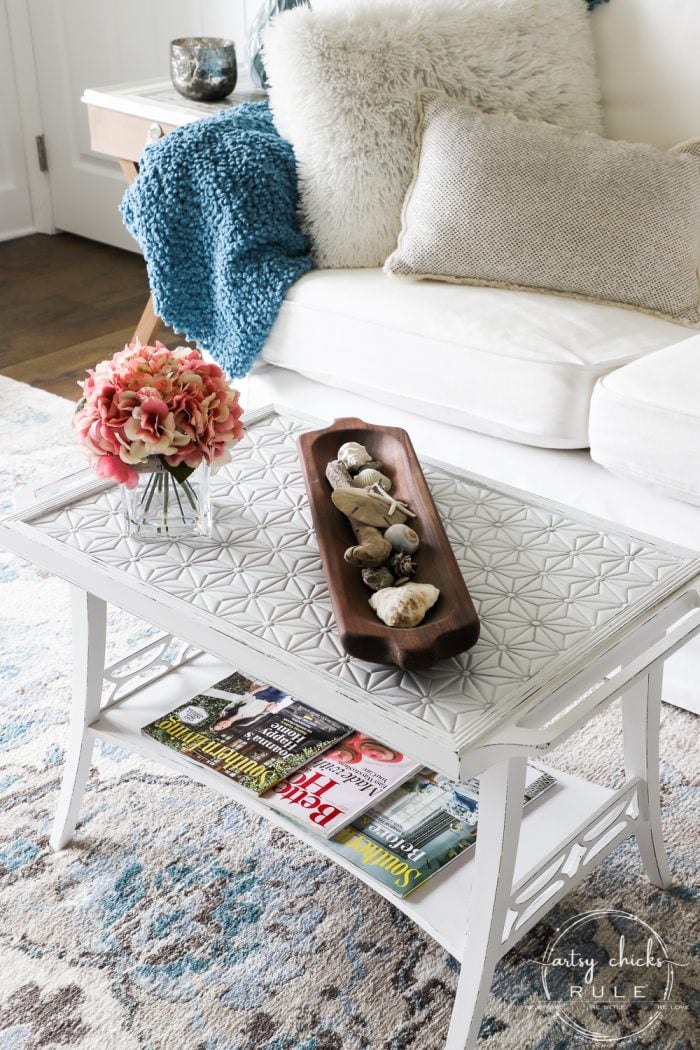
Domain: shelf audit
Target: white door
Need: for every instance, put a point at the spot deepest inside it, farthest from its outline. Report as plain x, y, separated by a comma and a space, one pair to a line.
16, 215
82, 43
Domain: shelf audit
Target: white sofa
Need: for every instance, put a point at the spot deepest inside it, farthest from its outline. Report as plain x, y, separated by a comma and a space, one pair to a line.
517, 386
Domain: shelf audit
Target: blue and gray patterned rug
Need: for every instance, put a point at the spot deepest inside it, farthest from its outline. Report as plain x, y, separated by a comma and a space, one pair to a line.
177, 920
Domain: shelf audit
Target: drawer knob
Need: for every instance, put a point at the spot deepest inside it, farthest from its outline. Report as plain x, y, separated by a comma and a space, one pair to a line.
154, 132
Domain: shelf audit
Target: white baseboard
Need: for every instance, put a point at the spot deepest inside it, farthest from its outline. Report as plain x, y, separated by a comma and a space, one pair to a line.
11, 235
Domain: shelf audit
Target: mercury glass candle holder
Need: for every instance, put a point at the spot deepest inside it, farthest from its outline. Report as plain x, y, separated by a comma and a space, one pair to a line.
203, 68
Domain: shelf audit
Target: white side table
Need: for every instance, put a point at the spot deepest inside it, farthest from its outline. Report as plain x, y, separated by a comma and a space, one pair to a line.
125, 118
574, 614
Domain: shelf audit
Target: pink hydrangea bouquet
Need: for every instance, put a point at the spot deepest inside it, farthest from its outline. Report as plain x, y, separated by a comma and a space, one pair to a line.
150, 401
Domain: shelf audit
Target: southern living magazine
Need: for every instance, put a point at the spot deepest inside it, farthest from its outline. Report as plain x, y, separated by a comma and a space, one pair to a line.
249, 732
421, 827
329, 793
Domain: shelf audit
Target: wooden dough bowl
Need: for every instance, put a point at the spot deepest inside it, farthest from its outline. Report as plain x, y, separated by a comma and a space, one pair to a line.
452, 625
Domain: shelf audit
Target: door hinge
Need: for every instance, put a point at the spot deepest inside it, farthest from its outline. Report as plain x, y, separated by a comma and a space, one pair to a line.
41, 153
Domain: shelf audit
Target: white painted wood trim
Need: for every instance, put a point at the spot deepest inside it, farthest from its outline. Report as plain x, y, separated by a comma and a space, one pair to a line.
22, 231
641, 713
30, 114
608, 689
133, 99
501, 790
555, 875
89, 635
121, 681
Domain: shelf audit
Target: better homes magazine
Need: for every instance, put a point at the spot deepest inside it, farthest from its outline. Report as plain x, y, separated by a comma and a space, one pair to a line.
329, 793
252, 733
420, 828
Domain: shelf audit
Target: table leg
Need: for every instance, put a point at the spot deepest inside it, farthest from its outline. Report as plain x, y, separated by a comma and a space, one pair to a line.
130, 170
501, 791
89, 635
149, 321
641, 713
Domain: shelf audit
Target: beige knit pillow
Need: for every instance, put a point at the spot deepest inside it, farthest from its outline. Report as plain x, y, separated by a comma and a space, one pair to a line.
511, 203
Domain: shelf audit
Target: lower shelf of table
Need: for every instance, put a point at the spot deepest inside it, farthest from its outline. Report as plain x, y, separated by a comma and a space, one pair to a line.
441, 906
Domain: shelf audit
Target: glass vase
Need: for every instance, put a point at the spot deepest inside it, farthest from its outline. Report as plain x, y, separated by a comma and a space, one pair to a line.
161, 507
256, 33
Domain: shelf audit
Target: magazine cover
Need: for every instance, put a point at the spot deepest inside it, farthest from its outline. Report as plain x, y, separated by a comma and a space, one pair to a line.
419, 828
331, 792
252, 733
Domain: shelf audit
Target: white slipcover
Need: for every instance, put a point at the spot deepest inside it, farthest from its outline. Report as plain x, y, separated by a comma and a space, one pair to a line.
517, 365
645, 421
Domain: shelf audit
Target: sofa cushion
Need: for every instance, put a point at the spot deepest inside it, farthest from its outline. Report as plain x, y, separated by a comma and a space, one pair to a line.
343, 86
507, 202
645, 421
519, 365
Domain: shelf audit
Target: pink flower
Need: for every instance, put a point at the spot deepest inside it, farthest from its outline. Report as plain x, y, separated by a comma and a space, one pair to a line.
113, 468
191, 455
151, 401
152, 424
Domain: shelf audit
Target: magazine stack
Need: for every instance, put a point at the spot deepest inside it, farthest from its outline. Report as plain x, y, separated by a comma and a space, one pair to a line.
378, 808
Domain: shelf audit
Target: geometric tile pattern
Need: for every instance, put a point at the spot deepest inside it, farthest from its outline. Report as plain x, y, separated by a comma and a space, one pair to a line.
547, 585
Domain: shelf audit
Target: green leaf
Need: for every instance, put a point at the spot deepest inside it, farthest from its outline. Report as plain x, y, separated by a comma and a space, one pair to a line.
181, 473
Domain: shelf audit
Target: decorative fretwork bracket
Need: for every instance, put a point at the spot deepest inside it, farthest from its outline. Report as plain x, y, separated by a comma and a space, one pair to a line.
145, 665
558, 873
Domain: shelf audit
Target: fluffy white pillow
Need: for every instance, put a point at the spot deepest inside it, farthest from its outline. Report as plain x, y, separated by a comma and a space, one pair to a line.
345, 78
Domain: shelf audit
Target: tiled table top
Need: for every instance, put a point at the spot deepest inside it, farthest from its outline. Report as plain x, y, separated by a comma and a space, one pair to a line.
550, 586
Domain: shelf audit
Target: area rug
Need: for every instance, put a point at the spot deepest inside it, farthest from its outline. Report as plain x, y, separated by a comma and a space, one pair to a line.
178, 920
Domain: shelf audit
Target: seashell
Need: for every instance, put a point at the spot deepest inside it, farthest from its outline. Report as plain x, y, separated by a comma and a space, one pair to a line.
368, 476
392, 501
402, 538
367, 507
404, 606
377, 579
402, 565
354, 455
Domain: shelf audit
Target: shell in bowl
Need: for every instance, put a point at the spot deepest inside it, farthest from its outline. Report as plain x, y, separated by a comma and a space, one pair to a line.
404, 606
369, 476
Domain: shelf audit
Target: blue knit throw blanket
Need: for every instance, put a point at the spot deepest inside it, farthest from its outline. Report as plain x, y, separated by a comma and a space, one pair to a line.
214, 208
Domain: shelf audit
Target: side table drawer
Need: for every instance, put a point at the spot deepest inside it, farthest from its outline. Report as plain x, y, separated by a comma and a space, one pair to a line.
122, 135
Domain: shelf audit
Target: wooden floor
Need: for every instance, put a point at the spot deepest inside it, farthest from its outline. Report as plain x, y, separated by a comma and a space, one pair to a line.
65, 304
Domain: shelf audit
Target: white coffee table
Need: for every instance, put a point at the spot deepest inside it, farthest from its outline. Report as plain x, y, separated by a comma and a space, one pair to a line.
574, 614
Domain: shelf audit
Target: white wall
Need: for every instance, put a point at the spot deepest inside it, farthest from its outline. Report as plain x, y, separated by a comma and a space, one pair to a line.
15, 202
228, 18
649, 67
